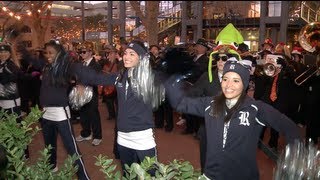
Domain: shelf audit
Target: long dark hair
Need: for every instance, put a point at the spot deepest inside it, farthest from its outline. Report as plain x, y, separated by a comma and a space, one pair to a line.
58, 70
219, 106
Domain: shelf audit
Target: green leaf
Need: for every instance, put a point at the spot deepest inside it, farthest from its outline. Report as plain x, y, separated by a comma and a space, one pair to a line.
187, 175
111, 168
171, 175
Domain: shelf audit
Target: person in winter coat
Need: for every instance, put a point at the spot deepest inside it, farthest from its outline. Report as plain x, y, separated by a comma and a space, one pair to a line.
138, 95
233, 124
10, 99
56, 80
10, 78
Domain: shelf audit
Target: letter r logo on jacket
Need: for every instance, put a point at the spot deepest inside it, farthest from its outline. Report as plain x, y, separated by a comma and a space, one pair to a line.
244, 118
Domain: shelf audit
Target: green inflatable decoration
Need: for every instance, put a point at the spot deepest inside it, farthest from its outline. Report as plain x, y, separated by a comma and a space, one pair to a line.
227, 39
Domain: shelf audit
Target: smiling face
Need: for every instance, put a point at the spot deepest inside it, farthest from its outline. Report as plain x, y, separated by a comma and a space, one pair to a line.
232, 85
50, 54
130, 58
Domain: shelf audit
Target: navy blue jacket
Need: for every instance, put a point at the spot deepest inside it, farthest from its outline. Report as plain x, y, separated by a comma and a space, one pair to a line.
133, 113
237, 160
52, 96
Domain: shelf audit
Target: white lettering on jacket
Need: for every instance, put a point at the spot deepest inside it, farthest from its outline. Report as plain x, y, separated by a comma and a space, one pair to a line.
244, 118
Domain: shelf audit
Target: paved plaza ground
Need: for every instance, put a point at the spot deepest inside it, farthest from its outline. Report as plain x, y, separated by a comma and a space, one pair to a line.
170, 146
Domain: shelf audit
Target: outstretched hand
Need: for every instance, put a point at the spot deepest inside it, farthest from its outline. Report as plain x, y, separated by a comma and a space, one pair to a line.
176, 87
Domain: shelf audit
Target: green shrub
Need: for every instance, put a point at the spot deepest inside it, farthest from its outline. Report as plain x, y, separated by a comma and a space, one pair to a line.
15, 138
178, 170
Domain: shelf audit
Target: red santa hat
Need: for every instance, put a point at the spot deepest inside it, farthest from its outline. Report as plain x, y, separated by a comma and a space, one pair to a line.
297, 50
268, 41
281, 44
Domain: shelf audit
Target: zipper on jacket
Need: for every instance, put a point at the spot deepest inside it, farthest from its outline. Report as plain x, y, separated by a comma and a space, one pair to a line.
225, 133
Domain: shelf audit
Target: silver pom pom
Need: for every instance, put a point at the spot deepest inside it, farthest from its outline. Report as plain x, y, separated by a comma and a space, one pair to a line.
8, 89
143, 83
79, 96
298, 162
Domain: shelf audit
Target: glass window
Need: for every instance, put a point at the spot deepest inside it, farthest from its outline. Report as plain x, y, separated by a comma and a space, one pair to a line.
60, 6
254, 10
274, 8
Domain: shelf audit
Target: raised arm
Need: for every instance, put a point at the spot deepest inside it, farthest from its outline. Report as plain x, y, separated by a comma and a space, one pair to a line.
280, 122
175, 91
90, 76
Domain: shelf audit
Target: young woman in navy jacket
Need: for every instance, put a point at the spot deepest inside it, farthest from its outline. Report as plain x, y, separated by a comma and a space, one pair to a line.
138, 95
233, 124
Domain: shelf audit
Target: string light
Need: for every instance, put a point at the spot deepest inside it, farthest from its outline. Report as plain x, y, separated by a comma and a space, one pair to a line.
10, 13
18, 15
70, 33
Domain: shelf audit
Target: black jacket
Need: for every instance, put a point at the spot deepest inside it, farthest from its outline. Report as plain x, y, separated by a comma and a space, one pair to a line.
94, 65
287, 91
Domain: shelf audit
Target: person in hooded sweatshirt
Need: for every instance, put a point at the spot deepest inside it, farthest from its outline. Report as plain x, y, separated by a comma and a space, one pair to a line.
233, 123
